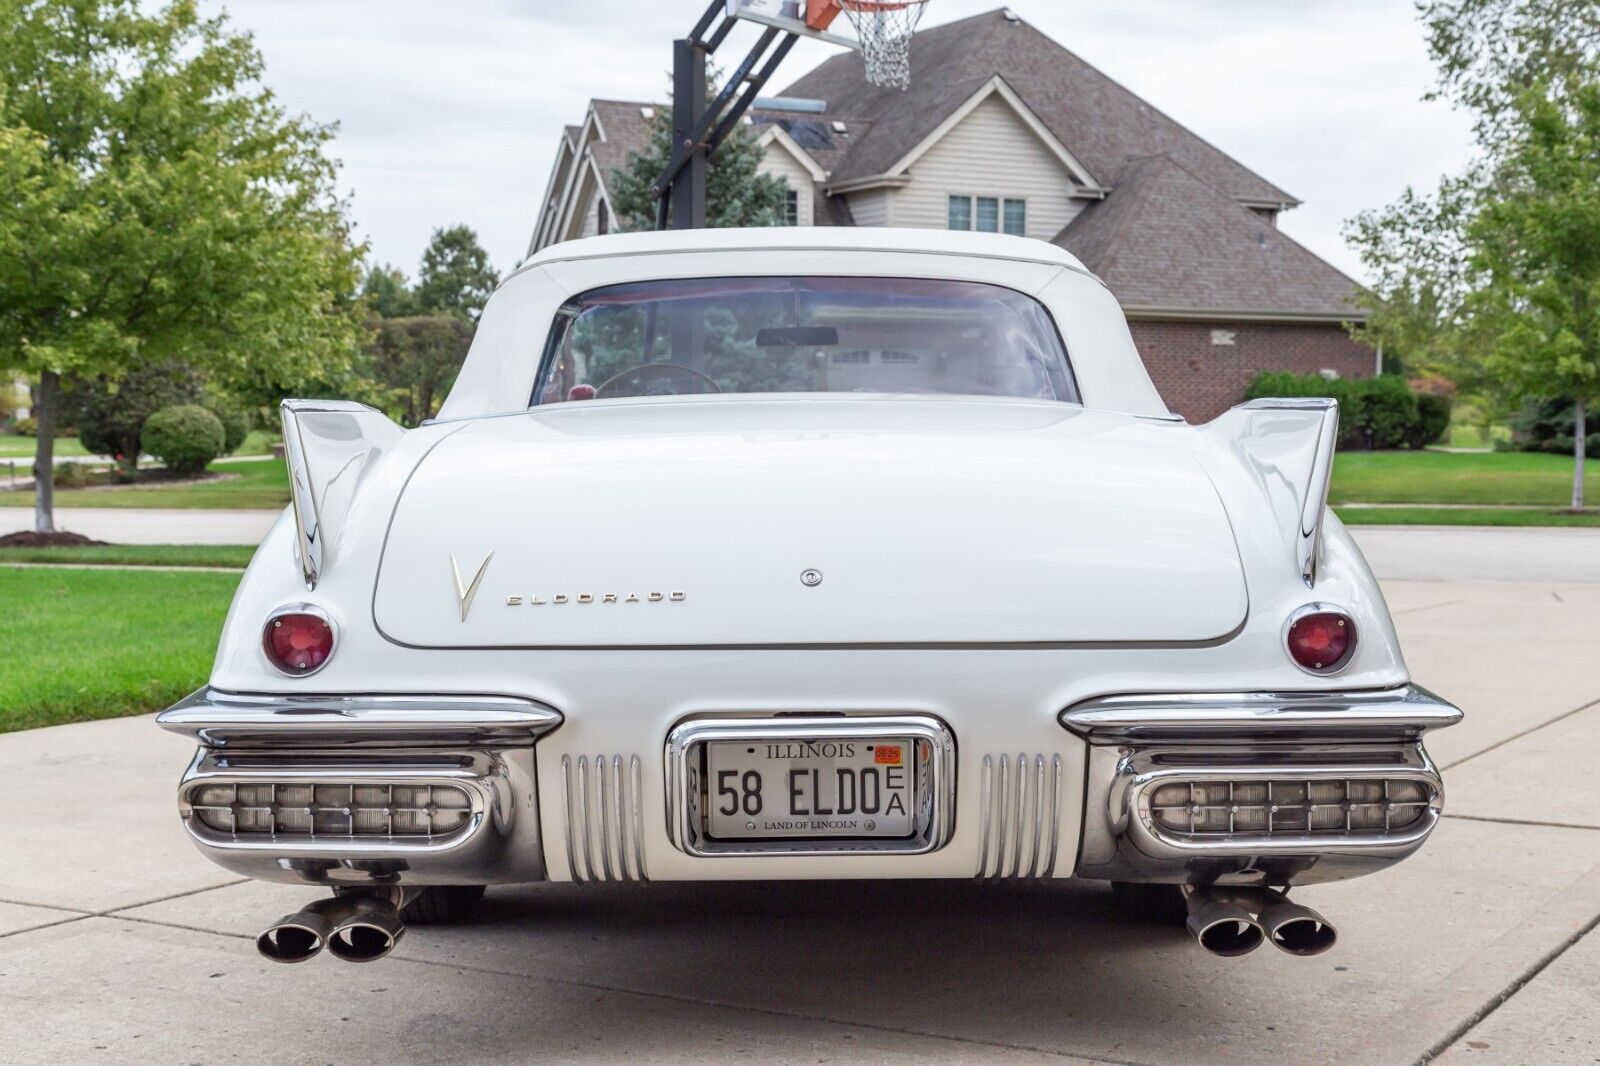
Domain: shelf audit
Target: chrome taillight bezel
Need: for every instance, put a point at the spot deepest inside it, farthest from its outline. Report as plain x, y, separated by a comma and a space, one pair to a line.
1344, 661
298, 608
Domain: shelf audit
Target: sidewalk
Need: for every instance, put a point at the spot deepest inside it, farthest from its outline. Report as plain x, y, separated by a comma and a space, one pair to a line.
136, 525
118, 942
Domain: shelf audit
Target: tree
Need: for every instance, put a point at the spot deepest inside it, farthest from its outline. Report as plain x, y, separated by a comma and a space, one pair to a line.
159, 205
1489, 52
1536, 242
1415, 253
416, 360
737, 194
387, 294
111, 413
456, 278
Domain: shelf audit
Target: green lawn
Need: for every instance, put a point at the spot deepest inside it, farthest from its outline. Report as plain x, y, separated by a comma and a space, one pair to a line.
15, 447
260, 485
82, 644
234, 555
1476, 516
1491, 478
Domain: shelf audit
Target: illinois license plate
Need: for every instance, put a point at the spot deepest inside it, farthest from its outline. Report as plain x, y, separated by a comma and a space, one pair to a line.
799, 788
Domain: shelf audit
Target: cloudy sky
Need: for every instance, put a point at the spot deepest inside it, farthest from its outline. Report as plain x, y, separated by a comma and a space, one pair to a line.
450, 112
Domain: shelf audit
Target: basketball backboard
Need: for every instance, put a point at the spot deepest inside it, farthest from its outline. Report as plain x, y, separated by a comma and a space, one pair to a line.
789, 15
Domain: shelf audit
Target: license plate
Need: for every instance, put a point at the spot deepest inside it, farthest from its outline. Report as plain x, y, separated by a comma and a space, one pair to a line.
799, 788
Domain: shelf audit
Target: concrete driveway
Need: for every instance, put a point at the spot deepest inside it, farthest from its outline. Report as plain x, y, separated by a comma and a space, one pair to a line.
117, 943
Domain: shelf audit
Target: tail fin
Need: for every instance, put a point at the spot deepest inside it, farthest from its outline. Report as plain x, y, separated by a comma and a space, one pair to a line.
329, 446
1288, 445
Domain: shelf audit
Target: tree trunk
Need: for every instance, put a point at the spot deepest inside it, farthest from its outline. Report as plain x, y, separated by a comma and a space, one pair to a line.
44, 453
1579, 448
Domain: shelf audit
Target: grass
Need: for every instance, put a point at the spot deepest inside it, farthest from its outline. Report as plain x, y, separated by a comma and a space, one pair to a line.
234, 555
81, 644
1486, 478
262, 485
14, 447
1476, 516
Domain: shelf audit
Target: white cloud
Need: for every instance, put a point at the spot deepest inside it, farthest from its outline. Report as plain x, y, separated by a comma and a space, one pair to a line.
451, 112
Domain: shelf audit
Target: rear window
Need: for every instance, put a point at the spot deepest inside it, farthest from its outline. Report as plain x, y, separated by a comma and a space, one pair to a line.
803, 334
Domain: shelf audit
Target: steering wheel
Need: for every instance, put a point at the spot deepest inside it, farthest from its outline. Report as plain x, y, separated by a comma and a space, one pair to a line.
657, 379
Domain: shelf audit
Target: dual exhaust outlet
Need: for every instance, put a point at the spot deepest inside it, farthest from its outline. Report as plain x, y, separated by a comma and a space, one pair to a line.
1231, 922
355, 928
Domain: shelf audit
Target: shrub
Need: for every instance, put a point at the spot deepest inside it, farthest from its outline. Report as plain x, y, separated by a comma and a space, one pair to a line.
235, 425
25, 427
1433, 419
186, 437
1547, 425
1385, 410
111, 414
72, 475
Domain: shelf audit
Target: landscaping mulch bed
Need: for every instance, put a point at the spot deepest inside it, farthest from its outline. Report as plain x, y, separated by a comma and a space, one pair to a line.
28, 539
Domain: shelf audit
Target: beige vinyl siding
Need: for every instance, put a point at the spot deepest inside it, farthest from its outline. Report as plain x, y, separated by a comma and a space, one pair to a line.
782, 165
871, 208
991, 152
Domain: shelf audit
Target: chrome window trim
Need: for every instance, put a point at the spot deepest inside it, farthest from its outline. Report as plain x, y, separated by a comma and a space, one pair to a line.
293, 720
1405, 712
934, 827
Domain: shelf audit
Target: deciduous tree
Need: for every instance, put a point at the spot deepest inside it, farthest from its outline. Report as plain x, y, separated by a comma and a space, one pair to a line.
157, 203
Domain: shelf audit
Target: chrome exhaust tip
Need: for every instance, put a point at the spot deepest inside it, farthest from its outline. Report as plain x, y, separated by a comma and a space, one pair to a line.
295, 937
1296, 929
368, 931
1221, 926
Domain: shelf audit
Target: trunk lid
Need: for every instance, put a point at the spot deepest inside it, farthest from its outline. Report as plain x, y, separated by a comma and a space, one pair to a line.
690, 523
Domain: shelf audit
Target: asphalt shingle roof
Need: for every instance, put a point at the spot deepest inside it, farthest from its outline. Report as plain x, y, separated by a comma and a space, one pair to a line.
1103, 124
1166, 239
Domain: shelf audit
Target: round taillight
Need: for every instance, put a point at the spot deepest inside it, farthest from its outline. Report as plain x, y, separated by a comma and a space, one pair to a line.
298, 642
1321, 641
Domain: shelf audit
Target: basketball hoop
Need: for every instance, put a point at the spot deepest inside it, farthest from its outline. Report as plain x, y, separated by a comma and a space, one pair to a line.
885, 28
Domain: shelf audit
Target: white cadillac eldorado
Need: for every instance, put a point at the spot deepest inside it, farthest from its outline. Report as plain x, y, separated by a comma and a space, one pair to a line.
789, 554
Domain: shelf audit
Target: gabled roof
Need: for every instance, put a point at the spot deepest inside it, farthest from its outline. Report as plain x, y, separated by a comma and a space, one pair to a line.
1166, 241
1104, 124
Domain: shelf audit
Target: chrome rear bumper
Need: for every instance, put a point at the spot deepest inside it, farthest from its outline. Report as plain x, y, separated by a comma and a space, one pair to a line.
304, 789
1255, 788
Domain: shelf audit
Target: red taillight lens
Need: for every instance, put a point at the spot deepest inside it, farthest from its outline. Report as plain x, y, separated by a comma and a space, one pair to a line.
1321, 641
298, 643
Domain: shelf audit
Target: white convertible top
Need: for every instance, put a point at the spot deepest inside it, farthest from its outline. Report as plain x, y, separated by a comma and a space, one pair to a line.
500, 369
811, 238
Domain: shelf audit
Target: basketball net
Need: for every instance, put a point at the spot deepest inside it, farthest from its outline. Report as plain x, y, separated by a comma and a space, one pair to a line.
885, 28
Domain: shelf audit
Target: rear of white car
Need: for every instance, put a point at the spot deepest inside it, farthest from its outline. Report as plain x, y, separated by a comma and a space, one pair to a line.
783, 555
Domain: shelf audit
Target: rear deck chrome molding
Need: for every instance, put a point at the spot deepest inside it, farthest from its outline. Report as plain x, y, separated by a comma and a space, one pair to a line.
1019, 817
1139, 744
242, 720
934, 820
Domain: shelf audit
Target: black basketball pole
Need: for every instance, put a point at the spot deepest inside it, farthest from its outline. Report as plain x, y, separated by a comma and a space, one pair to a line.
698, 127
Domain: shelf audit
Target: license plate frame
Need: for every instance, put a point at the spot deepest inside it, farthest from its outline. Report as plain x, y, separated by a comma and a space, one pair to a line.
930, 759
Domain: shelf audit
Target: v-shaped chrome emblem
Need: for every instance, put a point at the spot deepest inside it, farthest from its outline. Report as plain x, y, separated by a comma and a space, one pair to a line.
465, 592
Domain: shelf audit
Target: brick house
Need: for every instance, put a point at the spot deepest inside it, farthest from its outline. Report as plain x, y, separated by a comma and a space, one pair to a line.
1018, 135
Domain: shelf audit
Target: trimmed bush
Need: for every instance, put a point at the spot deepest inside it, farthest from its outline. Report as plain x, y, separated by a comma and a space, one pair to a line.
235, 426
1433, 419
1385, 409
25, 427
185, 437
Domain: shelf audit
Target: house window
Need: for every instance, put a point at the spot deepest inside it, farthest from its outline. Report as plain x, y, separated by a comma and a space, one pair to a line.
791, 207
1017, 218
960, 212
603, 219
989, 214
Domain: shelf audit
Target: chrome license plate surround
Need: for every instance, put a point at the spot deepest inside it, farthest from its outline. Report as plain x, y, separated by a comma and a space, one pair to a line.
933, 757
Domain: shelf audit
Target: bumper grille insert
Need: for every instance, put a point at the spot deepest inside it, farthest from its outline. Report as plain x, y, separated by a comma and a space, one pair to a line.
343, 811
1334, 807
